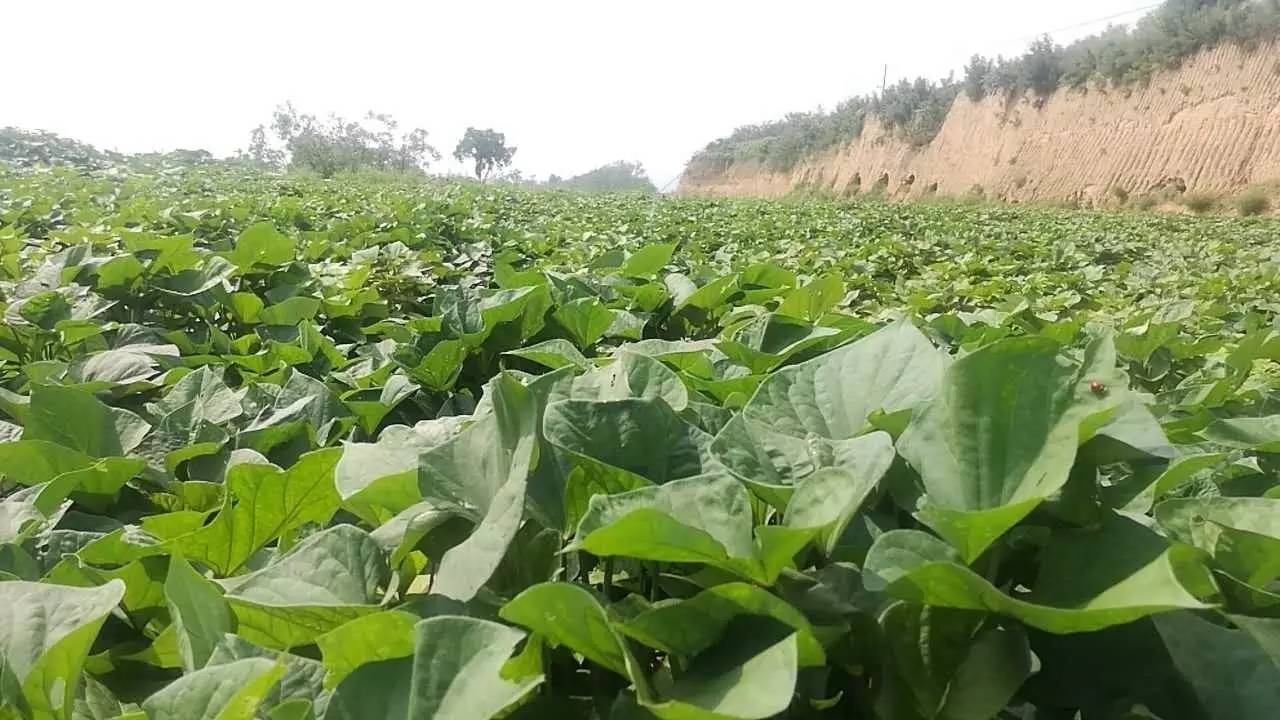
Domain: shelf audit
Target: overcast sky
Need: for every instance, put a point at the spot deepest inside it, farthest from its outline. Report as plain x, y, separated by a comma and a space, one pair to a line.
572, 84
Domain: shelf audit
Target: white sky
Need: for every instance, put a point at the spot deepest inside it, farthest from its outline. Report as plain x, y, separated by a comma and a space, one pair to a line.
574, 84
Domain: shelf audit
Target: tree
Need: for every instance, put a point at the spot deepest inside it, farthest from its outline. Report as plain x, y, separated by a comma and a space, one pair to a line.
1042, 66
975, 76
260, 151
340, 145
487, 149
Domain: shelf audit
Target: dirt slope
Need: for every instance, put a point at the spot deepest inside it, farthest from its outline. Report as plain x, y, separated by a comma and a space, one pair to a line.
1211, 126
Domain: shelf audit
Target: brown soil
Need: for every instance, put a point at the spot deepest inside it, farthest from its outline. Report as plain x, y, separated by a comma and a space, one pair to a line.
1212, 126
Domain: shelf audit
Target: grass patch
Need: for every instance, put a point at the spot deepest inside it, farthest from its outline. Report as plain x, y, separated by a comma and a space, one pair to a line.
1254, 202
1200, 203
1145, 202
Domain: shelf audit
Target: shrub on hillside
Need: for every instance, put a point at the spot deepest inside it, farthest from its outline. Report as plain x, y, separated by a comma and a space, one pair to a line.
1200, 203
1254, 202
1145, 202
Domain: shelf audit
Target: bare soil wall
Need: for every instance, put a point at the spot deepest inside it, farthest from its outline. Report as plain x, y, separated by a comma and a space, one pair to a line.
1211, 126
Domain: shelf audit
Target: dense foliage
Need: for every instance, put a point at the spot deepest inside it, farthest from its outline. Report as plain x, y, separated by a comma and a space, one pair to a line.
915, 110
487, 150
30, 148
620, 176
339, 145
284, 447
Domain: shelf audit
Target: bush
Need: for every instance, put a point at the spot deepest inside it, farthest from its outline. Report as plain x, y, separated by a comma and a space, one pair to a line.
620, 176
1120, 194
1254, 202
1145, 202
975, 76
1042, 66
1200, 203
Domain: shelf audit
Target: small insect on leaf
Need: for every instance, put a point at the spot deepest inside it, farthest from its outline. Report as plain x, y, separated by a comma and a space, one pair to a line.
1097, 387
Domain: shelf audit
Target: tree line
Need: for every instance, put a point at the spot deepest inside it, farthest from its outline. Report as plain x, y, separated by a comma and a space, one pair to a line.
333, 145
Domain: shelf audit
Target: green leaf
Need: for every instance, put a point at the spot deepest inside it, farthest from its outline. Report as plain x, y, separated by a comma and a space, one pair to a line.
1261, 434
648, 261
1200, 521
803, 417
750, 674
643, 437
439, 368
34, 462
378, 480
554, 354
482, 474
200, 614
263, 503
585, 320
301, 404
119, 273
631, 376
1089, 579
300, 690
457, 669
1002, 433
45, 309
231, 691
945, 664
372, 638
112, 368
328, 579
703, 519
456, 672
828, 499
76, 419
1233, 673
521, 312
261, 244
689, 627
767, 341
567, 614
45, 639
812, 301
290, 312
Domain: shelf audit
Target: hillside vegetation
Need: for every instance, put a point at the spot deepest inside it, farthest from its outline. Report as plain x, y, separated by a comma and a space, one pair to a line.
914, 110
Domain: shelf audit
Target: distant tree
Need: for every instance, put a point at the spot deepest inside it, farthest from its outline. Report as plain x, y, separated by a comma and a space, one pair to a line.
260, 150
487, 149
620, 176
28, 148
975, 76
1042, 66
1003, 78
340, 145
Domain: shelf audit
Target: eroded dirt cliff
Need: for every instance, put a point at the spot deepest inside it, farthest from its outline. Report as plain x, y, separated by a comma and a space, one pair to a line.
1211, 126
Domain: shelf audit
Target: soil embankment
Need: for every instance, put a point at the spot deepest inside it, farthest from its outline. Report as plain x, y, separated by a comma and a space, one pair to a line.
1211, 126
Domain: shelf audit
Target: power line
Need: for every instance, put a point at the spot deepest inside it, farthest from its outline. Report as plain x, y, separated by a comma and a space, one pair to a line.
1055, 31
1087, 23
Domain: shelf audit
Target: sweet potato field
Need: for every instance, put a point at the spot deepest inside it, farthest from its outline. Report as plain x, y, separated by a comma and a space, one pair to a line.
285, 448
